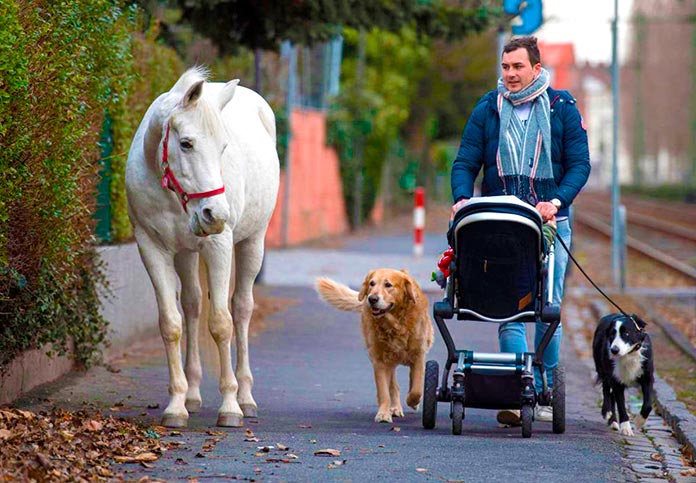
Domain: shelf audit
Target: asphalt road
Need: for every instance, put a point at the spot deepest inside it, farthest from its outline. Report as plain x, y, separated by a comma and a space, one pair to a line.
314, 387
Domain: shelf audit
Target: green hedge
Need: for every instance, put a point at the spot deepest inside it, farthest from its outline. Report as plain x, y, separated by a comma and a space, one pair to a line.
154, 68
61, 68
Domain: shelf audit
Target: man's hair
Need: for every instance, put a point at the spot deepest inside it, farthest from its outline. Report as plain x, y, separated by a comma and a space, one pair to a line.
529, 44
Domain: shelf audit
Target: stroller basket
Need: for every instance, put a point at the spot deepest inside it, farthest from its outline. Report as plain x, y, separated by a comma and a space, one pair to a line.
500, 251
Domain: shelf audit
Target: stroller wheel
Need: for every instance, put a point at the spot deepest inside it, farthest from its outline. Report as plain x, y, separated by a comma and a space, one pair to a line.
457, 417
558, 401
430, 395
527, 416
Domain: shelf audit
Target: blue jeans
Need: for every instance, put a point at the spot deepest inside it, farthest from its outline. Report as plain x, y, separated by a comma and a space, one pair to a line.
512, 335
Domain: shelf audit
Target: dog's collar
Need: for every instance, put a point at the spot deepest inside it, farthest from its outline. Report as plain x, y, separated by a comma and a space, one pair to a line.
638, 346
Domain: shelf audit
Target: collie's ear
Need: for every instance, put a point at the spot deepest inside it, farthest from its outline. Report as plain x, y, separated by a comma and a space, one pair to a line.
639, 322
365, 286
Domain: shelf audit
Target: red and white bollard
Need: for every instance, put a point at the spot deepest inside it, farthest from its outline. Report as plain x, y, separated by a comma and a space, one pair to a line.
418, 220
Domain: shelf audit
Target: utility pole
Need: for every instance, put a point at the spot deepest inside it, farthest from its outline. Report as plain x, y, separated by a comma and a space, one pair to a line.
617, 262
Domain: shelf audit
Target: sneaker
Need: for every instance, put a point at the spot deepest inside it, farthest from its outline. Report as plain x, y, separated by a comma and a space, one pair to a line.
543, 413
509, 417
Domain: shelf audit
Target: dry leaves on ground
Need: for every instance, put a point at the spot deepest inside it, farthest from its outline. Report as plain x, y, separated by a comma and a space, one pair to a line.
64, 446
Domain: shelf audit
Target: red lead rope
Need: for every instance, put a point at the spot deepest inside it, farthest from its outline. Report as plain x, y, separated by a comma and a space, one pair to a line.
169, 180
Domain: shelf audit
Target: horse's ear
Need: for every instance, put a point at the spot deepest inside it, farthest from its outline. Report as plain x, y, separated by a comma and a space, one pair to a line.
193, 94
227, 93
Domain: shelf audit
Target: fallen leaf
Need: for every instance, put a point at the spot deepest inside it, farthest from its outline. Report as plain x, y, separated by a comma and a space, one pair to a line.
27, 414
396, 429
281, 447
43, 460
175, 433
291, 456
657, 457
200, 455
146, 465
249, 433
147, 456
93, 425
180, 461
252, 440
689, 472
422, 470
327, 452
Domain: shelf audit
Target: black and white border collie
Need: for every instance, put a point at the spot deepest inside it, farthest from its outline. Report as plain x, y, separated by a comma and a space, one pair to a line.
623, 357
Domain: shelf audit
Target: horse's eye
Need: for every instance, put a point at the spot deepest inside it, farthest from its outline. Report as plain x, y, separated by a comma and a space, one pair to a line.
186, 144
388, 284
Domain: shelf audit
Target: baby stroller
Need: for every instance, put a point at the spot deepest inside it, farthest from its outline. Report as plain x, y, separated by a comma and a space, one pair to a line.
499, 273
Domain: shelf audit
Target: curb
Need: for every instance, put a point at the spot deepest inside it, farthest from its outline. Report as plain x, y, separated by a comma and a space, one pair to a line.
674, 412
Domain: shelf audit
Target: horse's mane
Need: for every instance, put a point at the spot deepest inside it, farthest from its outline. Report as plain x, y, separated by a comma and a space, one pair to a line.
190, 77
208, 114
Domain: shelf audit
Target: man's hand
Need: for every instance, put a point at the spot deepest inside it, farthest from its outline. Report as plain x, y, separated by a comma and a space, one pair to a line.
546, 210
457, 206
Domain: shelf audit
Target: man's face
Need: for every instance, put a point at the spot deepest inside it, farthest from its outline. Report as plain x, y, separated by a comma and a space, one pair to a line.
518, 71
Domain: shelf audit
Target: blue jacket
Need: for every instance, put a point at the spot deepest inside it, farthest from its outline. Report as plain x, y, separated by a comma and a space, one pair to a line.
569, 150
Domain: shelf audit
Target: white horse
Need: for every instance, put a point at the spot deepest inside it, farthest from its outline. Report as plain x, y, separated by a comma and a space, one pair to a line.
202, 177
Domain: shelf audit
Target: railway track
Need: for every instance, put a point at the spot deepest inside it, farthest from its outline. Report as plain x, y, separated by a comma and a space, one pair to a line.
665, 240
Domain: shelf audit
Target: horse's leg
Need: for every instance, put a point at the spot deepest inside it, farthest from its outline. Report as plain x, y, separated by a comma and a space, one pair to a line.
218, 257
160, 267
248, 257
186, 264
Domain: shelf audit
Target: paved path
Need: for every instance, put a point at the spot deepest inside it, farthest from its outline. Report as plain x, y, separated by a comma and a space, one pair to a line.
314, 386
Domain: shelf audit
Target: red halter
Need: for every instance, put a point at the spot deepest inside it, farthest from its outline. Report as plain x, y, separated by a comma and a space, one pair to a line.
170, 181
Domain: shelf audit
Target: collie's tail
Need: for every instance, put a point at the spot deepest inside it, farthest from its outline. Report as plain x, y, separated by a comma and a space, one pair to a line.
338, 295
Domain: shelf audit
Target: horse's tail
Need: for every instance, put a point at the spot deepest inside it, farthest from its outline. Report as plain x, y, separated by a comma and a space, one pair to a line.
268, 119
208, 349
338, 295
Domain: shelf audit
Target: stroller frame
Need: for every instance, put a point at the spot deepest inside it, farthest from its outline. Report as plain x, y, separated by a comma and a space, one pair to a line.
496, 380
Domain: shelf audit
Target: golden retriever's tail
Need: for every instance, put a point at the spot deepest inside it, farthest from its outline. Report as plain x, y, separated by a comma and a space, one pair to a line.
340, 296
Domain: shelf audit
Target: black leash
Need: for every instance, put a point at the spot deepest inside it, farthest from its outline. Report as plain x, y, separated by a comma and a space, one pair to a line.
590, 280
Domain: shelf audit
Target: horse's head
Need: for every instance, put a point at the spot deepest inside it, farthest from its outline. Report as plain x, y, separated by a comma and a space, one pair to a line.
193, 141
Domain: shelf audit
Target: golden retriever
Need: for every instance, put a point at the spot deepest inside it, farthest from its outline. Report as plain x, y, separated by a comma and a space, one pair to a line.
397, 330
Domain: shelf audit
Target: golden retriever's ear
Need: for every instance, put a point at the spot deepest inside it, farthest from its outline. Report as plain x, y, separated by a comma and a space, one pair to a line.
365, 286
410, 290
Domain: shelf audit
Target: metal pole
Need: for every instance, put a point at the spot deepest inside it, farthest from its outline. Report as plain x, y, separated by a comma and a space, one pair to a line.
615, 233
622, 247
291, 52
502, 37
359, 181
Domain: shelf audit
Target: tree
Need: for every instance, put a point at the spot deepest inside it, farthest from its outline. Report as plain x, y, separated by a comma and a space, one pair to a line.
261, 24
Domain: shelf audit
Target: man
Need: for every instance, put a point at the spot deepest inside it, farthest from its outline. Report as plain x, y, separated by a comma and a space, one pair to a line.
532, 144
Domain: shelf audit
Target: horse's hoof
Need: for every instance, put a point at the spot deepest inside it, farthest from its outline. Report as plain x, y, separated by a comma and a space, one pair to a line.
249, 410
193, 405
174, 421
230, 420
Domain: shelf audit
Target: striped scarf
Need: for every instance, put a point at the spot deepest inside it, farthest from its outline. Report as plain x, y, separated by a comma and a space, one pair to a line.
524, 151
